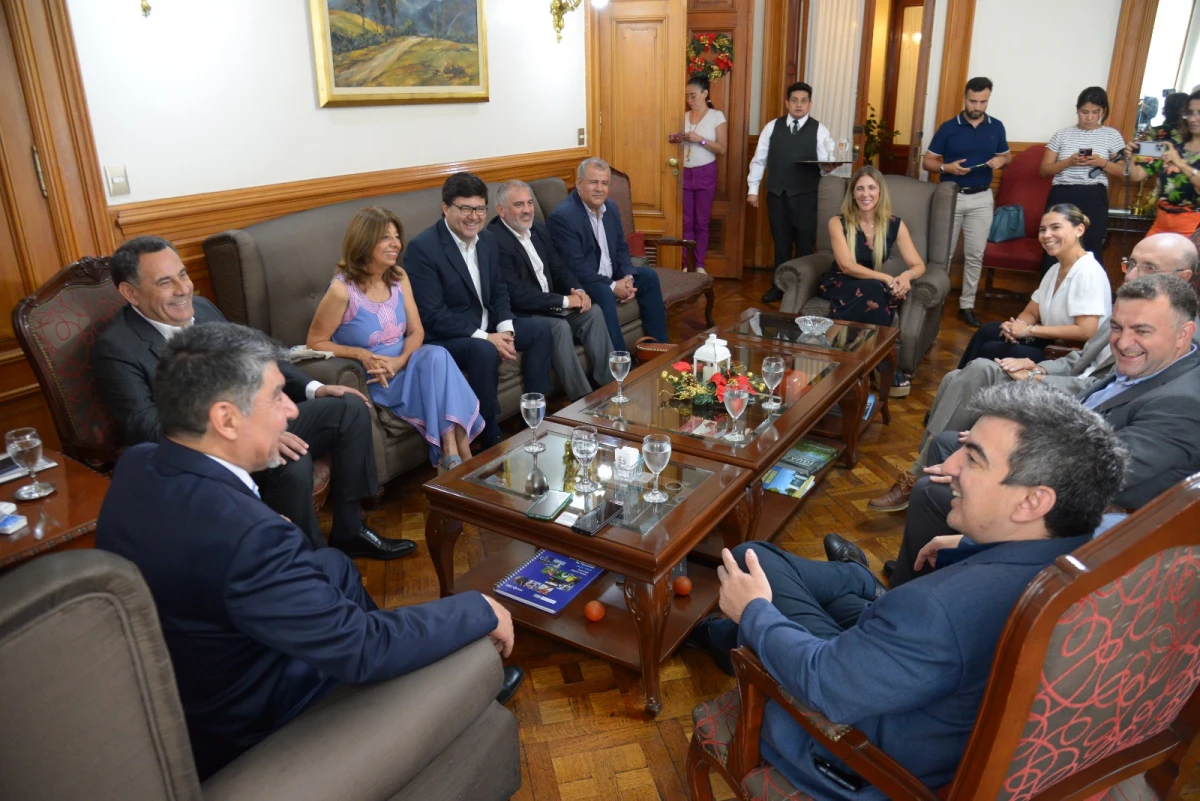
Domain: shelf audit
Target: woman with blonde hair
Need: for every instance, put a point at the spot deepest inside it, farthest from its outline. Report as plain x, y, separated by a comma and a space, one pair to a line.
368, 314
863, 236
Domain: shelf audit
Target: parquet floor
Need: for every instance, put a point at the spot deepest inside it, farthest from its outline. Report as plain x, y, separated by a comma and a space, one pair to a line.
583, 732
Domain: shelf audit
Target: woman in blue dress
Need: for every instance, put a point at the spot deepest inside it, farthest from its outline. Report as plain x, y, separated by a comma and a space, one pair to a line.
368, 314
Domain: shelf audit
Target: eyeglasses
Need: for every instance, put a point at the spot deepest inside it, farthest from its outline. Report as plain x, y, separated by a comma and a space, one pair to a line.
1130, 266
470, 211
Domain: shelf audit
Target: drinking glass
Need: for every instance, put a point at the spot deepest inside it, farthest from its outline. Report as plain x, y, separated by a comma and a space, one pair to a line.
843, 149
533, 410
618, 365
736, 401
656, 453
829, 154
25, 447
772, 373
584, 446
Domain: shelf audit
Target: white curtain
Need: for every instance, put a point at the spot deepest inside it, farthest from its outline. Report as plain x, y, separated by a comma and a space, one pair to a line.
834, 37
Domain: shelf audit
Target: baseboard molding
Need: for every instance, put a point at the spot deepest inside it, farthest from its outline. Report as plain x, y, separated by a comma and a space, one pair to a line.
188, 220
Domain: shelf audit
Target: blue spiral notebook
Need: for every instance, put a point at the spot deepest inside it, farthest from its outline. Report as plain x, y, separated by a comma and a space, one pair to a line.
548, 581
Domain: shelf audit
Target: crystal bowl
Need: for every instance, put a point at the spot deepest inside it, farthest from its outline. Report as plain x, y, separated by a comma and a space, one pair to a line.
813, 326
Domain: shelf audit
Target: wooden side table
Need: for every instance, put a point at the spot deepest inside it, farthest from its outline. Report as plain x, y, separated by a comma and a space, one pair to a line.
70, 512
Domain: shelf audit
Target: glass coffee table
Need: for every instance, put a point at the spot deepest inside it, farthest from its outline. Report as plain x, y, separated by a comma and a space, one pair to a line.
644, 621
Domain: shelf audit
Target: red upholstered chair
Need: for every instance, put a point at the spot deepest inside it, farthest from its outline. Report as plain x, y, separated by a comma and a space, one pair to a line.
1020, 185
57, 326
1093, 692
678, 286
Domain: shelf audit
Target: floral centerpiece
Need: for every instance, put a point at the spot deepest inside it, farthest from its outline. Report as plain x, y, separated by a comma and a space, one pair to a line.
687, 386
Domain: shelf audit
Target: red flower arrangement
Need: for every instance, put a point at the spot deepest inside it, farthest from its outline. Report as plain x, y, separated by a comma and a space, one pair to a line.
710, 54
689, 388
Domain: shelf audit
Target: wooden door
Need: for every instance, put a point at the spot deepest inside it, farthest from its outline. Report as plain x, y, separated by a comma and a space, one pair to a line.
730, 94
642, 72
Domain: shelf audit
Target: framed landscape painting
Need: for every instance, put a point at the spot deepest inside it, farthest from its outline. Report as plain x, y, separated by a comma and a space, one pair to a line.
399, 51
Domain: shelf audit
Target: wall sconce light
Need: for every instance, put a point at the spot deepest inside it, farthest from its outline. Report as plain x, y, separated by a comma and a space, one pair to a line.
145, 8
559, 9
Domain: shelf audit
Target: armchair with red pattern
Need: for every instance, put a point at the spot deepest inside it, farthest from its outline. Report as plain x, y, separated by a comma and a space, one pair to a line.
1093, 692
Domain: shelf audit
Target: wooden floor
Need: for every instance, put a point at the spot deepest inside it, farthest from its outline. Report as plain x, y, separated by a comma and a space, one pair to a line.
583, 732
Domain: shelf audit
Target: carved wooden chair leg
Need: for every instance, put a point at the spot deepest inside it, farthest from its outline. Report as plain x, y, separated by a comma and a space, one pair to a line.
699, 782
709, 300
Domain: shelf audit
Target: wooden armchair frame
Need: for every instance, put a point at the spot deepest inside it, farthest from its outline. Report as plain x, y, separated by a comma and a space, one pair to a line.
1167, 759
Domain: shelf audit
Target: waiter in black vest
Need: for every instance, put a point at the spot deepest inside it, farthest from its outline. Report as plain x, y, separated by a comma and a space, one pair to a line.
788, 151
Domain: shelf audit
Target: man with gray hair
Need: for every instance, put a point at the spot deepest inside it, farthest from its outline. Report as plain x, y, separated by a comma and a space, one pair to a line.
1161, 254
539, 284
908, 667
586, 230
259, 626
1150, 400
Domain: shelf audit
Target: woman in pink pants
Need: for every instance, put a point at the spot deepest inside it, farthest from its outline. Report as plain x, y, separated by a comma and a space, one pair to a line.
703, 139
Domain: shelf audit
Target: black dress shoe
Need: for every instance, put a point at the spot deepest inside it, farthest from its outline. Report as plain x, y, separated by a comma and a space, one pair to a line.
774, 295
968, 317
700, 639
513, 676
889, 567
840, 549
369, 545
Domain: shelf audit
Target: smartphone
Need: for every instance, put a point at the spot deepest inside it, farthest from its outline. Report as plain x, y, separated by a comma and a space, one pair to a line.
549, 505
839, 776
1085, 152
1153, 149
674, 138
591, 522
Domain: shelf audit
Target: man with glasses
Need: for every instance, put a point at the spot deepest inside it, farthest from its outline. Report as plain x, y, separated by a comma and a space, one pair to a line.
454, 269
1160, 254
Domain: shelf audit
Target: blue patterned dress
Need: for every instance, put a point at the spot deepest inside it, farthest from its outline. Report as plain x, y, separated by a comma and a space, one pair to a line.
430, 393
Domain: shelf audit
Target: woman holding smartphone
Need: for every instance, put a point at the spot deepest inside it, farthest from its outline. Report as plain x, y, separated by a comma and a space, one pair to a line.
1080, 158
1176, 168
703, 139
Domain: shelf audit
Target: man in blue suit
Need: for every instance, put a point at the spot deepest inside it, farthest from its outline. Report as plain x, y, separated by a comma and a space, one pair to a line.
258, 624
586, 230
454, 269
909, 667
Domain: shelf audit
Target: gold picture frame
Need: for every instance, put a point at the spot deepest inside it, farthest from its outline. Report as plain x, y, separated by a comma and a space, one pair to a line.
369, 52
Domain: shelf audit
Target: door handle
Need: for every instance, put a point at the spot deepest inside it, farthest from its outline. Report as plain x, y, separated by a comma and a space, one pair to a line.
674, 162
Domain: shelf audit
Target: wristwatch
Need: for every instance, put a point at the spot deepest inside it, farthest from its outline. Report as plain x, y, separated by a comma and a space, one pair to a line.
703, 142
1036, 371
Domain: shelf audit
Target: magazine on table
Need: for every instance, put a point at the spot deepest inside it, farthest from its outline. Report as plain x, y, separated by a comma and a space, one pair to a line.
808, 457
787, 481
548, 581
836, 411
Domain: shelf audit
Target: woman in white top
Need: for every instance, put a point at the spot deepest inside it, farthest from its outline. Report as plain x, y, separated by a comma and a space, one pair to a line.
1069, 303
702, 140
1081, 158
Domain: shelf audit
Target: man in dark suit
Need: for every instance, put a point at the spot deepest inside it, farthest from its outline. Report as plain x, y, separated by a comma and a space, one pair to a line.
258, 624
333, 419
908, 667
1150, 401
586, 229
540, 285
454, 269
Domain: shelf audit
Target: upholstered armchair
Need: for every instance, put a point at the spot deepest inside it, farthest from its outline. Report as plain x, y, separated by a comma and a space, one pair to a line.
1093, 691
928, 211
91, 710
1020, 185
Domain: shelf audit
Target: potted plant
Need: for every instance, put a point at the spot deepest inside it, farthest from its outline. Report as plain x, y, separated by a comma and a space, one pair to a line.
875, 138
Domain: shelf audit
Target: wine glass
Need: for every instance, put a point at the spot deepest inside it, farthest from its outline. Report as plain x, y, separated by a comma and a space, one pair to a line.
829, 154
584, 446
843, 149
656, 453
736, 401
25, 447
618, 365
533, 410
772, 373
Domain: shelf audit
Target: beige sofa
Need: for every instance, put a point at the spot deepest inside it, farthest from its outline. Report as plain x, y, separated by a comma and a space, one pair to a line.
927, 209
91, 711
272, 275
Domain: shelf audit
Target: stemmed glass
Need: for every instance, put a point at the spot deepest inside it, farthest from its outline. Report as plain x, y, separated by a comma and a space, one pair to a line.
533, 410
772, 373
843, 149
736, 401
584, 446
25, 447
618, 365
656, 453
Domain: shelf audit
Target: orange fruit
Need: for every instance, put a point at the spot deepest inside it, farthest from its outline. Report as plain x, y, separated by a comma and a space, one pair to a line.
683, 585
594, 611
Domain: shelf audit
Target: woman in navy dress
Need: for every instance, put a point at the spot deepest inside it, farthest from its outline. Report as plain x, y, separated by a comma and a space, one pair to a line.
863, 237
368, 314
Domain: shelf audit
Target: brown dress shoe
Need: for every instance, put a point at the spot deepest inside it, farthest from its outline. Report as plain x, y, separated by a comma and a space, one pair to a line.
896, 498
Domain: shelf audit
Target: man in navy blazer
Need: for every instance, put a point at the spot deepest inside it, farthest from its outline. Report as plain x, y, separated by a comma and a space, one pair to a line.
602, 262
259, 626
454, 269
908, 667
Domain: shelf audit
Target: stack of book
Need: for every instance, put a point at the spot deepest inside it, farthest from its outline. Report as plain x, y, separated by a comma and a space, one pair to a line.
795, 474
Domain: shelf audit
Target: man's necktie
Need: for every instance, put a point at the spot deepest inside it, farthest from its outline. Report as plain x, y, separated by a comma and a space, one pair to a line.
795, 126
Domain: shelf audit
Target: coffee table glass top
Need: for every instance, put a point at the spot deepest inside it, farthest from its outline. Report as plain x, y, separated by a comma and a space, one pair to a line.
528, 475
655, 402
769, 325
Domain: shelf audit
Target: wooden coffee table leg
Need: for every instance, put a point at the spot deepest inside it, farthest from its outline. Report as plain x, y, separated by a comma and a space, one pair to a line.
441, 534
649, 604
853, 403
740, 523
887, 371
